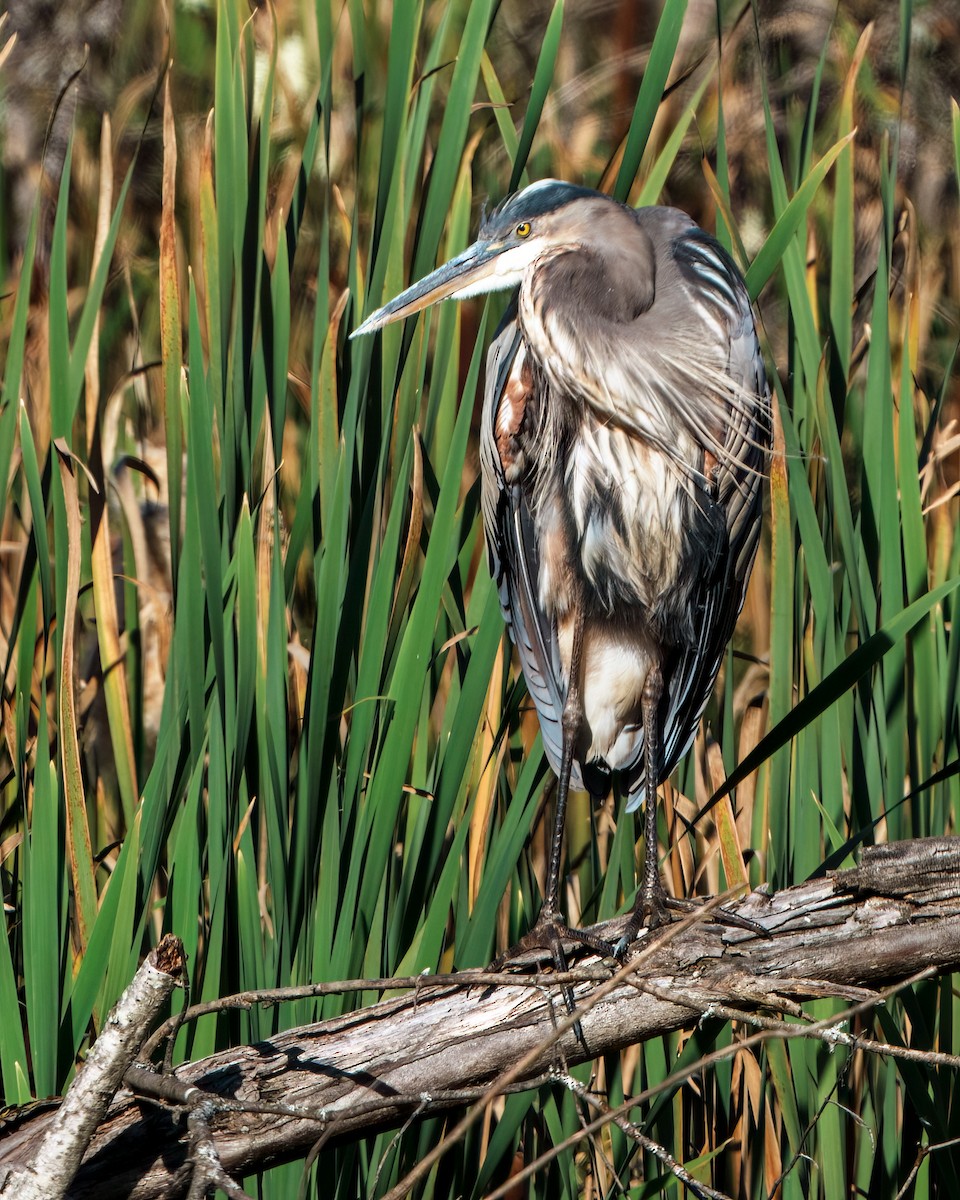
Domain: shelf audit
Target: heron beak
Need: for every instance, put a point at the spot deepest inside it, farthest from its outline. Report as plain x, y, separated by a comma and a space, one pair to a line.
469, 274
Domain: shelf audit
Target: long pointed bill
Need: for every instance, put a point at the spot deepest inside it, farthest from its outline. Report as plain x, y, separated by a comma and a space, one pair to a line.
478, 269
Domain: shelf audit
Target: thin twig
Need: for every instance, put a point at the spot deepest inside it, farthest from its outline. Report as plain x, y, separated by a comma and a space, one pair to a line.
423, 1167
287, 995
208, 1172
168, 1091
811, 1126
827, 1030
922, 1153
634, 1132
782, 1030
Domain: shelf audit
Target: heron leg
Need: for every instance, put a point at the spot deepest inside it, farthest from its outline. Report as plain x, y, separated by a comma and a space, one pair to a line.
550, 930
550, 927
651, 904
652, 895
571, 721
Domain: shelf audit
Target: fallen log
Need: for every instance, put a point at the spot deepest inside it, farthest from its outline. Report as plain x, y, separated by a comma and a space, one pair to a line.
444, 1044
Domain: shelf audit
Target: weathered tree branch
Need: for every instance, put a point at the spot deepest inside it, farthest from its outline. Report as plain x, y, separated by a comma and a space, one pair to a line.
56, 1150
894, 916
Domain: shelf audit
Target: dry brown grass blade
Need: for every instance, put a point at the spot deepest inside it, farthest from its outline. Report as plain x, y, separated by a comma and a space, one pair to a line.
487, 784
78, 831
731, 851
171, 324
8, 46
206, 269
113, 667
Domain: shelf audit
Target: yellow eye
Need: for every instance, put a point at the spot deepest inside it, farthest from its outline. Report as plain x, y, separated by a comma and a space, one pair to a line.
523, 229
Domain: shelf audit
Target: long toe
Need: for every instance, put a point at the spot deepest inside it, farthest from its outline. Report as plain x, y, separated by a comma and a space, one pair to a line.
650, 912
654, 913
550, 939
718, 915
543, 943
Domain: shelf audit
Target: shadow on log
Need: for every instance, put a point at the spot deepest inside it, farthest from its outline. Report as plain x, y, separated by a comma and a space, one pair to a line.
444, 1045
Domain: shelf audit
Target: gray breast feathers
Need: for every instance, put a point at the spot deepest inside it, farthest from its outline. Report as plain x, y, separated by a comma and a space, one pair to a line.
638, 447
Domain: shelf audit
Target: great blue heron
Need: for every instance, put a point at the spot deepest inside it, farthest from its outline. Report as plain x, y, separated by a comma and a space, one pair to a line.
625, 429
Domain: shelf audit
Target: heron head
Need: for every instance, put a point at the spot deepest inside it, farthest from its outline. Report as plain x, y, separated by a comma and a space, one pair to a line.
528, 224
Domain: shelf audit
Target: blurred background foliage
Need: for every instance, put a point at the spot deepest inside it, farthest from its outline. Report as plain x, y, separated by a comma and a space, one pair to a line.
256, 690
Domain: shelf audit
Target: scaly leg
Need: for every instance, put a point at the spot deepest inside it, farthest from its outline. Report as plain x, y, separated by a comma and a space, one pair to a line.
651, 904
550, 930
571, 720
653, 896
550, 927
652, 900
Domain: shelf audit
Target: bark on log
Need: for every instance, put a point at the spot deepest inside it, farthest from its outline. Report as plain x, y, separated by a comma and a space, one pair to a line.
895, 915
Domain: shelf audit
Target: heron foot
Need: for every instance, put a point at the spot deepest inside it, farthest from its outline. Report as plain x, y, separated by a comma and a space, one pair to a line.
549, 941
722, 916
546, 943
653, 913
